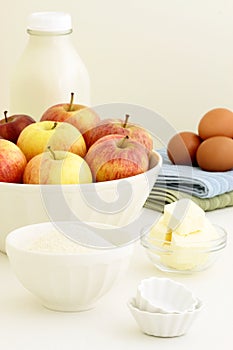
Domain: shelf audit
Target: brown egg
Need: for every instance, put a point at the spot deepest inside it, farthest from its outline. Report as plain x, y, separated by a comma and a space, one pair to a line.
182, 147
216, 154
216, 122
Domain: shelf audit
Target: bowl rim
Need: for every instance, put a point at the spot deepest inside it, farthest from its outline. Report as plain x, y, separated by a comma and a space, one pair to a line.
144, 285
132, 304
12, 238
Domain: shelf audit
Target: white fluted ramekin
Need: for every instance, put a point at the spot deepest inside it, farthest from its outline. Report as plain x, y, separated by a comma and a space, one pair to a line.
164, 295
164, 325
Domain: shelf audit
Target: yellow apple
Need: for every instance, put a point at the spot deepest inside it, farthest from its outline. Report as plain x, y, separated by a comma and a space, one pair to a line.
36, 137
57, 167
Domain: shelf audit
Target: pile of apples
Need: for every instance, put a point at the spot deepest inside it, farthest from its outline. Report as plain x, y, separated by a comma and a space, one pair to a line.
69, 145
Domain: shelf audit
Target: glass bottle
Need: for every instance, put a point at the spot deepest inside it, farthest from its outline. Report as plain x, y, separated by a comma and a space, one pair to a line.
49, 68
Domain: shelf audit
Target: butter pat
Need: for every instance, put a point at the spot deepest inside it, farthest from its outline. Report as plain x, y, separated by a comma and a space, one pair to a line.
206, 234
160, 230
183, 235
183, 217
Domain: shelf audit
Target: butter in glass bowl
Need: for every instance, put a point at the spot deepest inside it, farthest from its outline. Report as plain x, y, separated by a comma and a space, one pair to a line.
183, 239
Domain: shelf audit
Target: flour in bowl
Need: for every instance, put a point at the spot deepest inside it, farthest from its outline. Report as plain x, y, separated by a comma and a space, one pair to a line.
55, 242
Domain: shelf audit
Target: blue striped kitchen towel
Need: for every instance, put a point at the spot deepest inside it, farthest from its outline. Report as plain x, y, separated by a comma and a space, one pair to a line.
193, 180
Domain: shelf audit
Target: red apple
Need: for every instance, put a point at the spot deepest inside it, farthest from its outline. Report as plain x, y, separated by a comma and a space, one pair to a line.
109, 137
57, 167
117, 126
117, 157
82, 117
11, 127
12, 162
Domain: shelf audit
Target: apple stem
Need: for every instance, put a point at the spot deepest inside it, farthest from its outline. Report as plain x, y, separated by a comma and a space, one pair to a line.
5, 115
122, 141
70, 107
126, 120
52, 152
54, 125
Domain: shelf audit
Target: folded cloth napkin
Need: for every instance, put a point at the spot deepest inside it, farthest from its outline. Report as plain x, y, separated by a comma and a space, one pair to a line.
160, 197
193, 180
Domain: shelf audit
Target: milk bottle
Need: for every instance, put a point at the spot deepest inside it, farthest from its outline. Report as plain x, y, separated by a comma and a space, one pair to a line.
49, 69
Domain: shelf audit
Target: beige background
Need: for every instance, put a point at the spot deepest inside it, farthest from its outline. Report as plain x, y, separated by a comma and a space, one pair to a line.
172, 56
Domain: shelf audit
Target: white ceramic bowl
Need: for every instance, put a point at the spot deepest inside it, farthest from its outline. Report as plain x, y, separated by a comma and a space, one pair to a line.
164, 325
164, 295
184, 259
115, 202
64, 281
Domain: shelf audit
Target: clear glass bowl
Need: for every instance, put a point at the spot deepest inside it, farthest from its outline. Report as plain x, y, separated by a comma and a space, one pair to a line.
170, 257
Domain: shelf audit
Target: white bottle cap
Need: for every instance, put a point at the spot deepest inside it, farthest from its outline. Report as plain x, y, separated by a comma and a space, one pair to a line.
49, 22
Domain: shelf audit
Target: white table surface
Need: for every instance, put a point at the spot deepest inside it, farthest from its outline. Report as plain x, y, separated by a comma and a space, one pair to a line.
25, 324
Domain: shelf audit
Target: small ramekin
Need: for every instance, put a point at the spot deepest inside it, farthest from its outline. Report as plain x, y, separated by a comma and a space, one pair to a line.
164, 325
164, 295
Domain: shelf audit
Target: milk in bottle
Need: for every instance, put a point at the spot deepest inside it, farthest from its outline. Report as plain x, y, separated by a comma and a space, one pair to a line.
50, 68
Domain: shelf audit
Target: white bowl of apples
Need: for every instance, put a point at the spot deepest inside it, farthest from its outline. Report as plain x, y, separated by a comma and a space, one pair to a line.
71, 165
